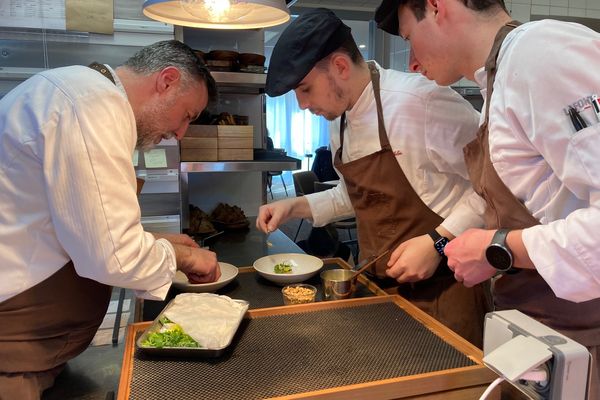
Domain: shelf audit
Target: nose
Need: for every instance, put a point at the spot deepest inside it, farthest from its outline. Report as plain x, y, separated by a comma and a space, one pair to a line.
302, 102
180, 133
413, 63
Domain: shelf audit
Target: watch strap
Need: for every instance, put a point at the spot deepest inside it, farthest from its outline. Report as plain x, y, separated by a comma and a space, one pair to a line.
439, 242
500, 237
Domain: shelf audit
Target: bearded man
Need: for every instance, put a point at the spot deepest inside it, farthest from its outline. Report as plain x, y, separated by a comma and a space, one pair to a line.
70, 221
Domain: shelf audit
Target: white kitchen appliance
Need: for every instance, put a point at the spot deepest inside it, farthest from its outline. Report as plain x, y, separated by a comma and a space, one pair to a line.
516, 346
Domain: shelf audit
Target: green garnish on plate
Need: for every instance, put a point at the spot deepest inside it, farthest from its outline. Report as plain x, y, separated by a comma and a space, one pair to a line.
283, 268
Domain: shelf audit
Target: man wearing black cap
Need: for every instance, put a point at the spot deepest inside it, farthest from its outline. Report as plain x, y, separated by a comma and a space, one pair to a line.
397, 140
535, 159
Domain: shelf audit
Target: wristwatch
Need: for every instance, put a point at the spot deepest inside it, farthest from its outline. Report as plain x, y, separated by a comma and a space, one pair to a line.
499, 255
439, 242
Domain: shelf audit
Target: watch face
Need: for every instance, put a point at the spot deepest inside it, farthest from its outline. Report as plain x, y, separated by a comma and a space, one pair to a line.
440, 244
498, 257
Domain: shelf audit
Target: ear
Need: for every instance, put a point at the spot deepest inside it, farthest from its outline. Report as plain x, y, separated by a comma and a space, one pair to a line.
341, 66
168, 78
438, 7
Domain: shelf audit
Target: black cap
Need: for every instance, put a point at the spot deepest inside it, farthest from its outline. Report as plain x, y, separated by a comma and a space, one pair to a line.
307, 40
386, 16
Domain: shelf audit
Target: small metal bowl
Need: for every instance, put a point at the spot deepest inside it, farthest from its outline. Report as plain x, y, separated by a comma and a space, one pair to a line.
338, 284
299, 293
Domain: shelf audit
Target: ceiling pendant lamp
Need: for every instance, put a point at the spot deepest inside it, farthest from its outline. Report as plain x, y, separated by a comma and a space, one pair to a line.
218, 14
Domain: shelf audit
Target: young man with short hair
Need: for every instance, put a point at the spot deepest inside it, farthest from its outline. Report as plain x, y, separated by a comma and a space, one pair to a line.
534, 161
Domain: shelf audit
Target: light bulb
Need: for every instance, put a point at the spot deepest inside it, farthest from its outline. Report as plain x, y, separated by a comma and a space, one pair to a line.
217, 11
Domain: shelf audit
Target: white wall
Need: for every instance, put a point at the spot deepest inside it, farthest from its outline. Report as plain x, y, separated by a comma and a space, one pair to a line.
523, 9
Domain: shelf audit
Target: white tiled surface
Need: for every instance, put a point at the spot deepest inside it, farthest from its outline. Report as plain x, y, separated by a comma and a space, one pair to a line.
523, 9
540, 10
559, 10
577, 12
521, 12
577, 4
561, 7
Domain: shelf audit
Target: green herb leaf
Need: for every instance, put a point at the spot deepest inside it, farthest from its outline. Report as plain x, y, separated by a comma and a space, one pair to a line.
172, 337
283, 268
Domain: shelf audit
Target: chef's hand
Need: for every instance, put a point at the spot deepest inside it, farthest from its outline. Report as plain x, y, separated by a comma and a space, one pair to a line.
466, 257
271, 216
414, 260
199, 265
176, 238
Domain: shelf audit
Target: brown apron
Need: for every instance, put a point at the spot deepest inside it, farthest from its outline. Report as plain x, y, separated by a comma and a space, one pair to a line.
389, 212
525, 291
47, 325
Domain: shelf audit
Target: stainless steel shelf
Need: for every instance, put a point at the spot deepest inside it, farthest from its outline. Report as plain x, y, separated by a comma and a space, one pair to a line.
18, 73
287, 164
239, 79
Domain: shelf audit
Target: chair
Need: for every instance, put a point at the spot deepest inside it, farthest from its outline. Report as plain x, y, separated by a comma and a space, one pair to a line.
347, 224
304, 183
117, 325
323, 165
271, 174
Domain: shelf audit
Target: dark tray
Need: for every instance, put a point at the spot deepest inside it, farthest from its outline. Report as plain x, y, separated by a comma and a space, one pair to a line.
181, 351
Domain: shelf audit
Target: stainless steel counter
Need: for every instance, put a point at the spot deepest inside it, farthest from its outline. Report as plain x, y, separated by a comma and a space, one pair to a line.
281, 164
242, 248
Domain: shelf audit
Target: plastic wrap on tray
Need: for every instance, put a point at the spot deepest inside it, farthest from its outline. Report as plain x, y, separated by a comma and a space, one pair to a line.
194, 324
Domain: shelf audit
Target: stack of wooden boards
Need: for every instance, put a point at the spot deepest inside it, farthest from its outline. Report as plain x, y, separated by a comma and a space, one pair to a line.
218, 143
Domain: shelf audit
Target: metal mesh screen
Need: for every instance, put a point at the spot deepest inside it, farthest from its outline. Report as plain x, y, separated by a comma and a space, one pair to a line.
294, 353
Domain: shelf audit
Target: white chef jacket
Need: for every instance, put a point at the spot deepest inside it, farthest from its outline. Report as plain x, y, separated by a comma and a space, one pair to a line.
543, 67
67, 186
427, 126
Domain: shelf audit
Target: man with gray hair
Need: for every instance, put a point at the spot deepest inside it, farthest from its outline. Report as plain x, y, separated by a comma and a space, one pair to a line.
70, 221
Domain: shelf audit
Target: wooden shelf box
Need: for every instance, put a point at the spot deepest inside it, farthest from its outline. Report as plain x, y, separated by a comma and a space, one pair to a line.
218, 143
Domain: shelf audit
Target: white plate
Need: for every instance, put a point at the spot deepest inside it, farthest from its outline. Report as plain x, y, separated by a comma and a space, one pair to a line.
228, 273
303, 267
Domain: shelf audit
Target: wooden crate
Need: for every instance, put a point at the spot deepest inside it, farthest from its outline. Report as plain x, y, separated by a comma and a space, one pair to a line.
206, 131
235, 154
235, 142
235, 131
199, 143
218, 143
199, 154
220, 131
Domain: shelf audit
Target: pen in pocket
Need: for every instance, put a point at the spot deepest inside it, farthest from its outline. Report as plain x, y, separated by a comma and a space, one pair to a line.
596, 106
576, 119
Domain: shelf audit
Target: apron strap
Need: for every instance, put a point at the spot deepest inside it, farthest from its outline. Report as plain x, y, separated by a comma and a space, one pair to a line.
490, 64
103, 70
383, 139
